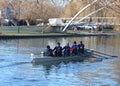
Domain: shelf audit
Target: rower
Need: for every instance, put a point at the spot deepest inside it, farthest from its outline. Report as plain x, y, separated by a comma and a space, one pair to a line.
74, 48
57, 50
49, 51
66, 50
81, 48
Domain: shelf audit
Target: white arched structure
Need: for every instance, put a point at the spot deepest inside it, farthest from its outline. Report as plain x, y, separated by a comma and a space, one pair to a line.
107, 4
81, 10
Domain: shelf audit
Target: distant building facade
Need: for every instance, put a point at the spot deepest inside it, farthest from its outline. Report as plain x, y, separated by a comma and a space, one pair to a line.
8, 16
8, 12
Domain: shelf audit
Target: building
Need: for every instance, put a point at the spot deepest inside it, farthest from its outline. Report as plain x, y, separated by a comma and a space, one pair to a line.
8, 12
8, 16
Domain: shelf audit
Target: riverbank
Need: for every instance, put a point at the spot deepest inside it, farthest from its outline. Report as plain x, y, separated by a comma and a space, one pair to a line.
38, 35
10, 32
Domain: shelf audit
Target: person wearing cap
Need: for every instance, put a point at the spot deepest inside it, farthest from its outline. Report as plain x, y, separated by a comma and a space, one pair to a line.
57, 50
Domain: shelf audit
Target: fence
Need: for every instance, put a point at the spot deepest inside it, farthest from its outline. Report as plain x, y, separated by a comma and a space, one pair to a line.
22, 29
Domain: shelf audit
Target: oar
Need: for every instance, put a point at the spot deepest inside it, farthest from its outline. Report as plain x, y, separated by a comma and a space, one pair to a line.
95, 55
103, 54
94, 58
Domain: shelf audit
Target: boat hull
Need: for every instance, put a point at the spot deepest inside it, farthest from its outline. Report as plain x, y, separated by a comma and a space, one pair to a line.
56, 60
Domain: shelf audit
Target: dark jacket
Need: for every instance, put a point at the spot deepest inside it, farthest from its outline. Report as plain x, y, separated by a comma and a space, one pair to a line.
66, 50
58, 51
81, 48
49, 52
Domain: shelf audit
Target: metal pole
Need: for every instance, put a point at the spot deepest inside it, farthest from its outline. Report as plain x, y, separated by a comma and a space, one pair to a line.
42, 15
19, 17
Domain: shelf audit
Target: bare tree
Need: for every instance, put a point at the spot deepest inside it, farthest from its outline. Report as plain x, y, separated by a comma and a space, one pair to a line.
3, 4
36, 9
39, 9
75, 5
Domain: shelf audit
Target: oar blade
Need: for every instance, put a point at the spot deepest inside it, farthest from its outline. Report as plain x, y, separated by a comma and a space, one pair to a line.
115, 56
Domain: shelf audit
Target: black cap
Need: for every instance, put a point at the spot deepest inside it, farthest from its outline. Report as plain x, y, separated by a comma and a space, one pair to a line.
48, 46
58, 43
80, 41
75, 42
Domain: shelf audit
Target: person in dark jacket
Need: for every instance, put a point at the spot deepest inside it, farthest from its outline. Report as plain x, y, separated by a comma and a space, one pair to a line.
81, 47
49, 51
74, 48
58, 50
66, 50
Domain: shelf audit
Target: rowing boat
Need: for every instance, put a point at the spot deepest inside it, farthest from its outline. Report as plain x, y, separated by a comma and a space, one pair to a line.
88, 55
55, 60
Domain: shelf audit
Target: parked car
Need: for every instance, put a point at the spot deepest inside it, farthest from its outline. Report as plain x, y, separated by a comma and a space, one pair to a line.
86, 27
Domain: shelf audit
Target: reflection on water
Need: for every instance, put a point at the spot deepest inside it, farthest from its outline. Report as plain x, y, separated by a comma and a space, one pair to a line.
16, 69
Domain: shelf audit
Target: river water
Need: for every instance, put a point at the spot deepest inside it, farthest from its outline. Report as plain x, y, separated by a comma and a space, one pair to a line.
16, 69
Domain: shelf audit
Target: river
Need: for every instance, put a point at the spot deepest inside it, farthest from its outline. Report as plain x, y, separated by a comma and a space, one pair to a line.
16, 69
